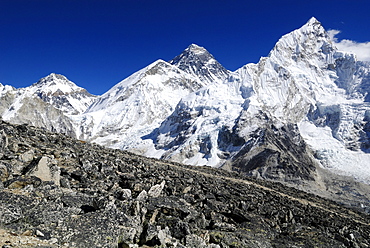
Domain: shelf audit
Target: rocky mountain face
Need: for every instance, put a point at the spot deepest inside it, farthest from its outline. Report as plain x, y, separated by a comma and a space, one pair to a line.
197, 61
56, 191
300, 116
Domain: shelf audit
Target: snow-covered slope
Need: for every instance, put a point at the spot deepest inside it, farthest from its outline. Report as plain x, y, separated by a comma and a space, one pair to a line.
6, 97
134, 107
126, 116
191, 133
306, 81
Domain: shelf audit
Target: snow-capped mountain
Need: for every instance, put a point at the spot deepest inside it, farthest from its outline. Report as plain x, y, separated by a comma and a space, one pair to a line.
63, 94
304, 81
301, 115
47, 103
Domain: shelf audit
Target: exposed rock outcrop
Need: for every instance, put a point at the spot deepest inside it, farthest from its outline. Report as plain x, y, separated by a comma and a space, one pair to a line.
110, 198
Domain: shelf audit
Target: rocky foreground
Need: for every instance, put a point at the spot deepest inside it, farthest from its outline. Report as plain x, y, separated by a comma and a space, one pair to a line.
56, 191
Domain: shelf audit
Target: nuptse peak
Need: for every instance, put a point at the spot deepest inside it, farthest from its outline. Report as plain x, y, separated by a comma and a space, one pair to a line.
302, 109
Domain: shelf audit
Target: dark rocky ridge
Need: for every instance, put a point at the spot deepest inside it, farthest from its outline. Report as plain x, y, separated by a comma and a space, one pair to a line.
198, 61
280, 154
69, 193
273, 153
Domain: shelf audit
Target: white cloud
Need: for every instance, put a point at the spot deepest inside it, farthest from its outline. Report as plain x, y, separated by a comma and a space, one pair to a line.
362, 50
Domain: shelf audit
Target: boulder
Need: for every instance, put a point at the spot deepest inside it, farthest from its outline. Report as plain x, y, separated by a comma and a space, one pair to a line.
44, 168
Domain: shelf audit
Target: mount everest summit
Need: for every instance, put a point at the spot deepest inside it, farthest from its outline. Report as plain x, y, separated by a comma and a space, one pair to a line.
301, 115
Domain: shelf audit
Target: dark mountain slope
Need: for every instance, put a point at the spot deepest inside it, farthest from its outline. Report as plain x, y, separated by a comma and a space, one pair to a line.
68, 193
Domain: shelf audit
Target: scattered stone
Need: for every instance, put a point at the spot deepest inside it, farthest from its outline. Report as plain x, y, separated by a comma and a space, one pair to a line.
3, 140
126, 194
4, 173
128, 235
13, 147
187, 190
194, 241
39, 233
142, 196
156, 190
164, 236
111, 198
27, 233
27, 156
22, 181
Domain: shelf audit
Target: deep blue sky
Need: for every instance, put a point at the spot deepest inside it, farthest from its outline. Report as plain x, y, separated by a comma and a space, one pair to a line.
97, 43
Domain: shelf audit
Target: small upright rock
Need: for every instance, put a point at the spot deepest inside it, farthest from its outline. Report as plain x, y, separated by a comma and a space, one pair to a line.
142, 196
3, 143
156, 190
4, 173
27, 156
39, 233
3, 140
126, 194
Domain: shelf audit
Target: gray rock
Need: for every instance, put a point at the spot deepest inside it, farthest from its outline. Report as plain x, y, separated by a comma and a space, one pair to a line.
4, 173
27, 157
46, 169
110, 198
156, 190
126, 194
194, 241
142, 196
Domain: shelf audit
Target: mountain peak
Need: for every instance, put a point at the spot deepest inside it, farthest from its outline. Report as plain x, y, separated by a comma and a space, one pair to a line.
197, 61
313, 25
313, 20
193, 51
51, 79
310, 41
196, 49
158, 62
56, 76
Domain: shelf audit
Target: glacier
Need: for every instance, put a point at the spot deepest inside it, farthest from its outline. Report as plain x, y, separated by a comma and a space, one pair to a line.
133, 107
304, 81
